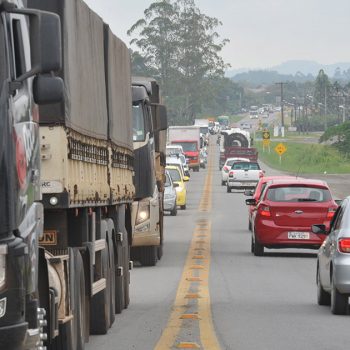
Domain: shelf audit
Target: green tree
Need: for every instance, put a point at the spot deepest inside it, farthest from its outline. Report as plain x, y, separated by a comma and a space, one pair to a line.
181, 46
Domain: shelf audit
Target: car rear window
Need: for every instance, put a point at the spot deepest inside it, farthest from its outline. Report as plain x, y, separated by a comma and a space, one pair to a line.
298, 194
175, 174
245, 166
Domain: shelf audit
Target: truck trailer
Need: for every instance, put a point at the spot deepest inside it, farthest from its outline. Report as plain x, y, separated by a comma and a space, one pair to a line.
234, 143
149, 135
189, 138
67, 196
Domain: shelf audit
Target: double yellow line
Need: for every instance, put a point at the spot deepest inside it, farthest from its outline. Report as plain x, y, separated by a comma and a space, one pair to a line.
192, 302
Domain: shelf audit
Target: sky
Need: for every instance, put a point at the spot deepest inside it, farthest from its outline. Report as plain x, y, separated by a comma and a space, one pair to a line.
262, 33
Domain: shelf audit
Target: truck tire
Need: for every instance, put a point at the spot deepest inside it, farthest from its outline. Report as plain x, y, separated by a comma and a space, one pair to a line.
148, 255
64, 341
160, 251
119, 279
100, 308
126, 274
183, 207
79, 314
111, 277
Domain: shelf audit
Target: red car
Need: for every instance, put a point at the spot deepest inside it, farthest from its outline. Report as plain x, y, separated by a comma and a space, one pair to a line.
286, 212
258, 191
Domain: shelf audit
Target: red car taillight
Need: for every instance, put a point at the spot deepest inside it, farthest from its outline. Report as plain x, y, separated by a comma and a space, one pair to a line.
264, 211
231, 174
331, 212
226, 169
344, 245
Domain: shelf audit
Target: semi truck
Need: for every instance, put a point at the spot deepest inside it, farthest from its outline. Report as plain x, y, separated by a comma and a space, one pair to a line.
234, 143
189, 138
149, 136
66, 167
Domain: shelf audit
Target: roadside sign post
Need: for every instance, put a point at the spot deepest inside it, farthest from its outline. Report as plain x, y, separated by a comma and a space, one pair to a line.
266, 140
280, 149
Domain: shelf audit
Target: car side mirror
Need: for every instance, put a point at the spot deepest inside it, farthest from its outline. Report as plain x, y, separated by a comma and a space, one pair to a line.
175, 184
250, 201
186, 178
319, 229
248, 193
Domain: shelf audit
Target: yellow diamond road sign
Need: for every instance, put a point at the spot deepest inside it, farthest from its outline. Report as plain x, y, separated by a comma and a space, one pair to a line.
280, 148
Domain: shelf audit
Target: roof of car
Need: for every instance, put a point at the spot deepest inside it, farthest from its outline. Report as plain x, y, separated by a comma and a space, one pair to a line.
298, 181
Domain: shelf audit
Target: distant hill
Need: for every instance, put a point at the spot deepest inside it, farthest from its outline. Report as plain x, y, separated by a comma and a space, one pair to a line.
298, 70
267, 77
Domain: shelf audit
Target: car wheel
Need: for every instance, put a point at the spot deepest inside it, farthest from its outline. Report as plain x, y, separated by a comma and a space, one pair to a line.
323, 298
183, 207
174, 211
339, 301
252, 245
258, 249
228, 189
249, 225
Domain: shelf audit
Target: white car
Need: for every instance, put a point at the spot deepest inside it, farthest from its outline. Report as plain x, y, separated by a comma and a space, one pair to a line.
227, 167
170, 195
243, 176
173, 150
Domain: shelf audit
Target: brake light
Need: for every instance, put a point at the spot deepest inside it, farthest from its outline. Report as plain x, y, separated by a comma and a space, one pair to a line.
265, 211
231, 174
226, 169
344, 245
330, 214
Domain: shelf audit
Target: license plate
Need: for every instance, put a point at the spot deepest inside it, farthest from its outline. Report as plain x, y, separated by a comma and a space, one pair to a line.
298, 235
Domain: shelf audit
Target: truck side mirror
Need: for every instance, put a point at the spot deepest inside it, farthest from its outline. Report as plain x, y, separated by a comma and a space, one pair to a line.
47, 89
161, 118
45, 41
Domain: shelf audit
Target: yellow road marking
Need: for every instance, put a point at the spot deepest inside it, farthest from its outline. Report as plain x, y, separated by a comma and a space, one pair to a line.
187, 345
183, 296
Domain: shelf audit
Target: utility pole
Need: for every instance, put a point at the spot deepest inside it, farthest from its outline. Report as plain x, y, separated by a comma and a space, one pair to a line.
282, 114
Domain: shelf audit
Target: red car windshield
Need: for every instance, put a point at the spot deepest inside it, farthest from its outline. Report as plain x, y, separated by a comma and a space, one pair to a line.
298, 194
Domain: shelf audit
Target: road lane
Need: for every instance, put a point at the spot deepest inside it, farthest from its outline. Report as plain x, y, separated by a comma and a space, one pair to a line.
264, 302
153, 289
256, 303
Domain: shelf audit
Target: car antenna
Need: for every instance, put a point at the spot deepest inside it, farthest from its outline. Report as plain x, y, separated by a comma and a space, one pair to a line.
298, 172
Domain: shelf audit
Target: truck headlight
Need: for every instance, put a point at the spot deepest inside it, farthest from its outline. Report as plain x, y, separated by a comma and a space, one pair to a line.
142, 213
3, 253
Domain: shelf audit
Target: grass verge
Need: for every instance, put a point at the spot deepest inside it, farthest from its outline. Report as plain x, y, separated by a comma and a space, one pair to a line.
305, 158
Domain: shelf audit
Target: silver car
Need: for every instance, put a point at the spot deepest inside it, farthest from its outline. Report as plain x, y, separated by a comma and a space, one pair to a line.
170, 195
333, 262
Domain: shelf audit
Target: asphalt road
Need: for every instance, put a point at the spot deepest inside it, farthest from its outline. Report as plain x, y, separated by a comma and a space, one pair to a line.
261, 303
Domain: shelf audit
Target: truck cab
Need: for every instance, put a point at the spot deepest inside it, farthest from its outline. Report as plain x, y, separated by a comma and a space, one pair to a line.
30, 49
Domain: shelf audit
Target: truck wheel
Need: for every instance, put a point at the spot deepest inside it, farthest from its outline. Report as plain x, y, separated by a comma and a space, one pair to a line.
119, 279
160, 251
112, 284
126, 274
100, 308
183, 207
79, 312
148, 255
65, 338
